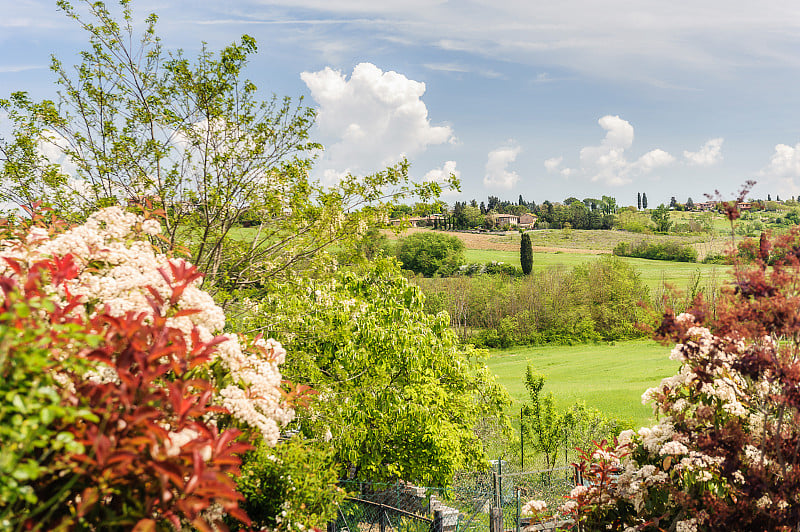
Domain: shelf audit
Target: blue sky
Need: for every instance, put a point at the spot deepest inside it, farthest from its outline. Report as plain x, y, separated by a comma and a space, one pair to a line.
544, 99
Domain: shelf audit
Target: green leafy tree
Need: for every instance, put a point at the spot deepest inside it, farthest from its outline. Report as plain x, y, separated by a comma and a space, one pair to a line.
689, 204
609, 205
431, 253
660, 217
526, 254
542, 424
398, 394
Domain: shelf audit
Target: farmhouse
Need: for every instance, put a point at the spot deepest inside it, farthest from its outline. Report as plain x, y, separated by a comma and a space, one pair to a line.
527, 221
417, 221
504, 219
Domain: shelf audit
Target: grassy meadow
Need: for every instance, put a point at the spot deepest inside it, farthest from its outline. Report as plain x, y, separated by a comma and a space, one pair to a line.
608, 377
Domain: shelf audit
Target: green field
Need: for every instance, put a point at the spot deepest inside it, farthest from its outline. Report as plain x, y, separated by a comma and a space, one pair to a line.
654, 273
609, 377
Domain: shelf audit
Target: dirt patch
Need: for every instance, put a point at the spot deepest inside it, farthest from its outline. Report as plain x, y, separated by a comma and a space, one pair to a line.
498, 242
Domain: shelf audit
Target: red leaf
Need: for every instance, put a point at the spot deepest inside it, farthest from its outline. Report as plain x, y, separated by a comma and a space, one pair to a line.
145, 525
89, 498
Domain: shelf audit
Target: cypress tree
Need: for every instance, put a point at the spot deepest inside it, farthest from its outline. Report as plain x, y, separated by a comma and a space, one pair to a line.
526, 254
639, 200
644, 200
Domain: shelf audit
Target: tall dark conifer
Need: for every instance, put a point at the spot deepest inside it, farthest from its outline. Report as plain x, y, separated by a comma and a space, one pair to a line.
639, 200
526, 254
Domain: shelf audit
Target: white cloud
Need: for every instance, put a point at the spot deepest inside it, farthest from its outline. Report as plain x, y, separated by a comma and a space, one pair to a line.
371, 120
652, 160
553, 163
441, 175
783, 171
497, 173
708, 155
607, 162
785, 162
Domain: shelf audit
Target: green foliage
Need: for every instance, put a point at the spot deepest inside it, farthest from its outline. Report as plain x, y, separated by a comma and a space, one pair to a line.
599, 300
633, 222
431, 253
553, 433
526, 254
646, 249
399, 395
542, 424
32, 414
660, 217
289, 487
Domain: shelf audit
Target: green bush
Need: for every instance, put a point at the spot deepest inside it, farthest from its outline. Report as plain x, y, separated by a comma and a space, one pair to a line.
290, 487
671, 251
599, 300
431, 253
492, 268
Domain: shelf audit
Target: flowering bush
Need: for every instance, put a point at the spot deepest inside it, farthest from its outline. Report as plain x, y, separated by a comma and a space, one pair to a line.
536, 510
148, 392
724, 455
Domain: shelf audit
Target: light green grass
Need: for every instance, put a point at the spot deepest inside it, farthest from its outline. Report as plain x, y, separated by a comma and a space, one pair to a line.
609, 377
654, 273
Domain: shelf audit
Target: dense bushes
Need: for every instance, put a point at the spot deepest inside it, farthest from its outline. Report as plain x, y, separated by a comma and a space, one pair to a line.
723, 455
595, 301
431, 253
645, 249
120, 405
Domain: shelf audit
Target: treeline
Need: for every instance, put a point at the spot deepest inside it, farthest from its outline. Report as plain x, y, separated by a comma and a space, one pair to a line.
589, 213
597, 301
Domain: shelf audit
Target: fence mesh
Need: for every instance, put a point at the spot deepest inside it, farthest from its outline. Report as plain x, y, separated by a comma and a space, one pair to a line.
469, 500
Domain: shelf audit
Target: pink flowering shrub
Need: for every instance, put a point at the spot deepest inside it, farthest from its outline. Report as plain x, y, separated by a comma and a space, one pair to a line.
156, 406
725, 454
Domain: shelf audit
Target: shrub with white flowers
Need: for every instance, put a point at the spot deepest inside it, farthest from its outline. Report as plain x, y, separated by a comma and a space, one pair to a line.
130, 377
119, 269
725, 454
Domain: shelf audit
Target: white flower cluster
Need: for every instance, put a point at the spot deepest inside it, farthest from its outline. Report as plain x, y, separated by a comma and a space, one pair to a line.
255, 398
533, 507
116, 265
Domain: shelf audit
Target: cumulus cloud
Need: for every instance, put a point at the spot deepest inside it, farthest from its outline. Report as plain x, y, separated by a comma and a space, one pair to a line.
783, 169
441, 175
652, 160
553, 165
497, 173
708, 155
785, 162
371, 120
607, 162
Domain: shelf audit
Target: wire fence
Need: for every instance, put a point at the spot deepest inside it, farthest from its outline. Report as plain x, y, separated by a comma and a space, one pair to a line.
480, 501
